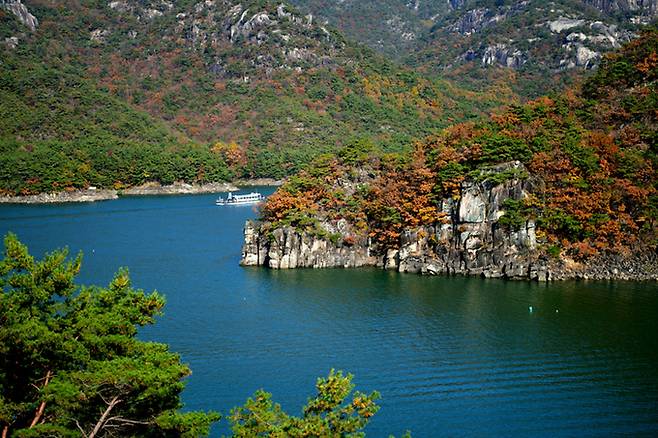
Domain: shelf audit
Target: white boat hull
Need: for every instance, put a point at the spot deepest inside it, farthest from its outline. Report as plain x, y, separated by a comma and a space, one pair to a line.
251, 198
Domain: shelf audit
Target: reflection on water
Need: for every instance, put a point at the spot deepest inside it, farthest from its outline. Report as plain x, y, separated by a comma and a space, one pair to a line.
450, 356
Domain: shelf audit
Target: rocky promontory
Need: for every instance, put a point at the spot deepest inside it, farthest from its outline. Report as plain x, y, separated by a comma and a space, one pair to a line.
469, 240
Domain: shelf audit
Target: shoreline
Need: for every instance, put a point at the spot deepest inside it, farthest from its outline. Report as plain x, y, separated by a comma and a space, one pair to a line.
148, 189
288, 248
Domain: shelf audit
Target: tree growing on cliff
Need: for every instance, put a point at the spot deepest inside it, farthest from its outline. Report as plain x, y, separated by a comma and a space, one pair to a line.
70, 362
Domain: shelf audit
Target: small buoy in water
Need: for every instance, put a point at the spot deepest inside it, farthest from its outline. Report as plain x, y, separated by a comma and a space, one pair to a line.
530, 309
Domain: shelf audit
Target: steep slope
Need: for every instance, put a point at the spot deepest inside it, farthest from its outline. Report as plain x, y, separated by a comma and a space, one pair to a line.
394, 27
533, 42
266, 86
573, 174
58, 132
542, 42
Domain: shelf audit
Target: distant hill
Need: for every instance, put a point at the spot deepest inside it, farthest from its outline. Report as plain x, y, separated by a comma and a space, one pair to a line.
535, 43
263, 86
59, 132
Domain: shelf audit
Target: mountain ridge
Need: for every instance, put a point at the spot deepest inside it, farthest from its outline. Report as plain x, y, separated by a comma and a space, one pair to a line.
470, 41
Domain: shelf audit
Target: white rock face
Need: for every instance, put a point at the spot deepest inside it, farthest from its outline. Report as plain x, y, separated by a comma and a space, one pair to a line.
11, 42
576, 36
585, 57
562, 24
472, 205
281, 11
152, 13
20, 10
98, 35
120, 6
503, 55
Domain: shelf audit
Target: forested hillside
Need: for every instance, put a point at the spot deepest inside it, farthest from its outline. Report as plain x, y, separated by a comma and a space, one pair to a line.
124, 92
589, 158
534, 45
60, 132
256, 85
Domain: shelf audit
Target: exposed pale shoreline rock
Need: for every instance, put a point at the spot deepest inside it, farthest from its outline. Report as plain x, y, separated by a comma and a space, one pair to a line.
178, 188
286, 248
51, 198
92, 195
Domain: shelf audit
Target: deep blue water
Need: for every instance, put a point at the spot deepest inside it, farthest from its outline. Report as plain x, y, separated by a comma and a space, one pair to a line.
450, 356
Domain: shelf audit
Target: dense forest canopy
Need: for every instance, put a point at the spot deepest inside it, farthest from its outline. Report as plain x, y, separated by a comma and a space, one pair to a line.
116, 94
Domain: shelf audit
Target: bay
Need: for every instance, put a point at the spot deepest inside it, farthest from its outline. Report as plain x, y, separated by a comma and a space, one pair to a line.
450, 356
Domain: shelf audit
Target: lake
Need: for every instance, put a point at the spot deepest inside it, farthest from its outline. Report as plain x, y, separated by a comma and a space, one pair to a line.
450, 356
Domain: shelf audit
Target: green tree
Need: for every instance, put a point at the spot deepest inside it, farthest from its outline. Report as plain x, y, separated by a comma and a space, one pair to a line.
70, 362
328, 414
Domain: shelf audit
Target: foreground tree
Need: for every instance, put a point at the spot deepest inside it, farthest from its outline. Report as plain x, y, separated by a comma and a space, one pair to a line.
329, 414
70, 362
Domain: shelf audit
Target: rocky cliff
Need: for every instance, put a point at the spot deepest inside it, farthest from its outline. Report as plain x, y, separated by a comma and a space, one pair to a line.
21, 12
469, 240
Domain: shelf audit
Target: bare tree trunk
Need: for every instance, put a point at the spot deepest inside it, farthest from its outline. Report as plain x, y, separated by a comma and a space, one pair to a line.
115, 401
42, 405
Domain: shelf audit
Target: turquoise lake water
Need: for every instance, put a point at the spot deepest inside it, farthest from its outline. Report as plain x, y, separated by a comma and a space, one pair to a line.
450, 356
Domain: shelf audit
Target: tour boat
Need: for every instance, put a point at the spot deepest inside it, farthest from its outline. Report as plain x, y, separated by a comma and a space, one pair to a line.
231, 199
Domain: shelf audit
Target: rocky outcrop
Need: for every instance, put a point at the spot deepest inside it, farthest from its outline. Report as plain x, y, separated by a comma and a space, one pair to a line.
640, 266
476, 20
562, 24
497, 55
272, 37
641, 7
469, 240
20, 11
287, 248
504, 55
